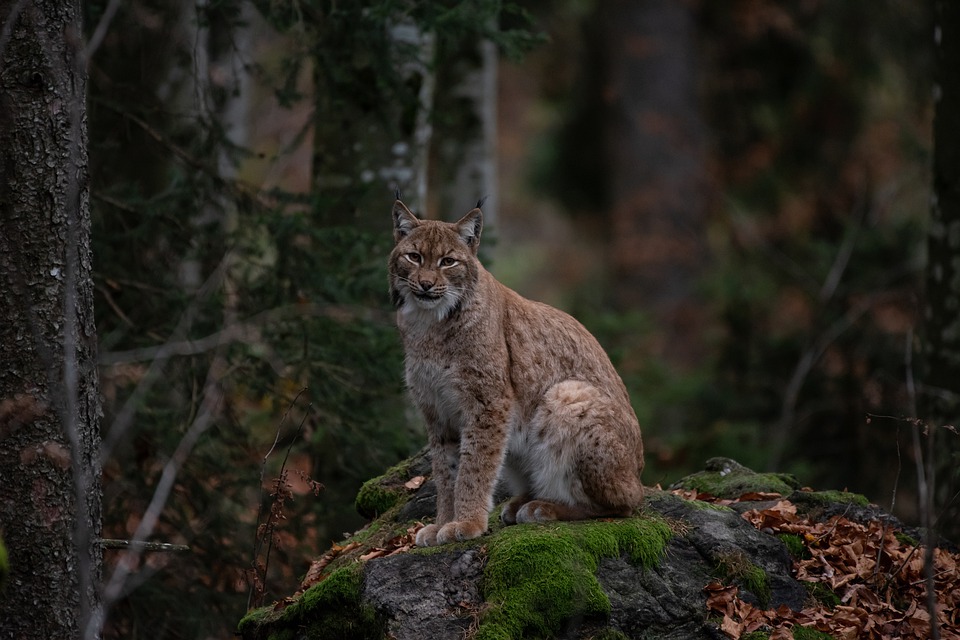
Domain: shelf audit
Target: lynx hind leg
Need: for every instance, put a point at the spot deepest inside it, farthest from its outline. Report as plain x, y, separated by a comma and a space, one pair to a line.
508, 515
606, 460
610, 473
546, 511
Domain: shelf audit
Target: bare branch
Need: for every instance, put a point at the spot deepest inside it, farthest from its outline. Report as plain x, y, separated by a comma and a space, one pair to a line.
101, 31
248, 332
124, 418
109, 543
115, 587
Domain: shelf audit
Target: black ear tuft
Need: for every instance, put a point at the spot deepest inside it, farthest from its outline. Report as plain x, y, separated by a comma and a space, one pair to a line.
396, 192
481, 201
469, 228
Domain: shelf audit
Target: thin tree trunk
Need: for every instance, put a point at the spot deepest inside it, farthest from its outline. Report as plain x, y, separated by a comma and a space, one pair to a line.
655, 141
942, 314
465, 145
361, 154
49, 396
940, 400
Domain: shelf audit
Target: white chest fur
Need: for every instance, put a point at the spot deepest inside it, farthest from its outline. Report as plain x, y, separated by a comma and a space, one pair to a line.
435, 385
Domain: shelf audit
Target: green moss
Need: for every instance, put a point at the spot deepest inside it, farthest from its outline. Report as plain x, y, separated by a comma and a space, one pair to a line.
378, 495
254, 620
755, 635
795, 545
329, 610
822, 593
703, 505
374, 498
906, 540
736, 567
755, 581
730, 480
366, 533
833, 497
539, 576
807, 633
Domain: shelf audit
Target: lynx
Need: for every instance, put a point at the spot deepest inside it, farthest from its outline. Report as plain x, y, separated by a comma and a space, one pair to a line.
510, 389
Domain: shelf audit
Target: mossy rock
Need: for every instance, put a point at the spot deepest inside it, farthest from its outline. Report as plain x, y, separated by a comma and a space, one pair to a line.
380, 494
734, 567
811, 499
728, 479
535, 578
795, 545
609, 579
540, 576
330, 610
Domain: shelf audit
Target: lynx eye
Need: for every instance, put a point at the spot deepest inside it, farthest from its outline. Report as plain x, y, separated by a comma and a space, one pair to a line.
447, 261
415, 258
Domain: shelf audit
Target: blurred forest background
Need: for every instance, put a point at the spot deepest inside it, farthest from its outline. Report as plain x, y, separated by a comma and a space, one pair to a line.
732, 196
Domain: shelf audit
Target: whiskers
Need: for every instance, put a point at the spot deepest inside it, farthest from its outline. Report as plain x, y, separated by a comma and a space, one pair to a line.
435, 304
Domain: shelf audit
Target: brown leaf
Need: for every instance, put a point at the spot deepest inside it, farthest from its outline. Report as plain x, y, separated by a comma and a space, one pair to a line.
414, 483
758, 496
373, 553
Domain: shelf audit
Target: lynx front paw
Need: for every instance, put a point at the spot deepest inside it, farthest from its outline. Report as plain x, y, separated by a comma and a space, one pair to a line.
459, 530
427, 537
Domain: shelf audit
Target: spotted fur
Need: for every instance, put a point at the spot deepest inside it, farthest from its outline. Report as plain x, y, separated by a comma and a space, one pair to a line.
510, 389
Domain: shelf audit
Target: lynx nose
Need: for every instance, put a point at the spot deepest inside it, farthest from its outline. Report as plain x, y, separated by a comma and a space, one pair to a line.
426, 285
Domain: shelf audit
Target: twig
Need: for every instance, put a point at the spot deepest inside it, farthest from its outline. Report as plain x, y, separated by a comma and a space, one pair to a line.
836, 522
236, 187
118, 581
108, 297
840, 261
109, 543
810, 357
101, 31
258, 541
124, 417
242, 332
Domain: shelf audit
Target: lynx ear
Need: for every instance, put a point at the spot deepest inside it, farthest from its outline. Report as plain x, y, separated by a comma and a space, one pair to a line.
469, 228
403, 221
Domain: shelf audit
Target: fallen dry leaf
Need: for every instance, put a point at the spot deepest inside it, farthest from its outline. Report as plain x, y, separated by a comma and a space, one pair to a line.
878, 580
414, 482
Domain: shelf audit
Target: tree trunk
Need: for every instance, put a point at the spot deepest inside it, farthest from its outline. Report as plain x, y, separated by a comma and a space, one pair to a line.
941, 397
465, 169
49, 396
655, 142
370, 137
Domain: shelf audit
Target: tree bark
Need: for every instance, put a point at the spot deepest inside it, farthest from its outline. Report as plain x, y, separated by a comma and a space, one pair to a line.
49, 395
940, 400
942, 314
655, 142
465, 169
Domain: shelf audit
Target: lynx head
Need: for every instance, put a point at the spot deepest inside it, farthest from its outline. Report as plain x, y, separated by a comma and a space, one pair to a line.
434, 264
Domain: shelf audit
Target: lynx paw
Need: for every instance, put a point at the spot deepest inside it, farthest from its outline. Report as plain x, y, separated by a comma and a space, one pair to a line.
537, 511
459, 530
509, 513
427, 537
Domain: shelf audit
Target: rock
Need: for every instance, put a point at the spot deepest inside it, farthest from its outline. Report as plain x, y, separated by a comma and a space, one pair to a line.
638, 577
442, 604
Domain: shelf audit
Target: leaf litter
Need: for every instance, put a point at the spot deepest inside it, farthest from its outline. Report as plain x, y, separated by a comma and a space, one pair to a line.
876, 579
